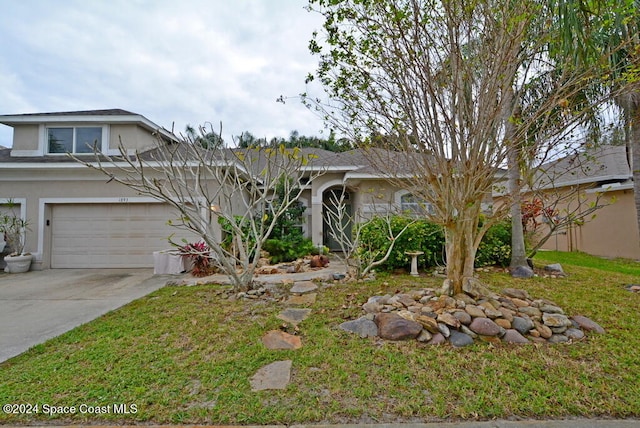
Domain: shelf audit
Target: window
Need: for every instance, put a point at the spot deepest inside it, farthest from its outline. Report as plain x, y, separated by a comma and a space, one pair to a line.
412, 205
74, 140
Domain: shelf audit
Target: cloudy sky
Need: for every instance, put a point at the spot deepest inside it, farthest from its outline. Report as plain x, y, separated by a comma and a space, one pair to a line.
174, 62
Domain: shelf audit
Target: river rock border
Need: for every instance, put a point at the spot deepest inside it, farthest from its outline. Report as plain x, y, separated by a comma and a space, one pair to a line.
475, 315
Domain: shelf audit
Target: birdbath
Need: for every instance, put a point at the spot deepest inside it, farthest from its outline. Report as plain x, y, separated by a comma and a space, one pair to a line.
414, 261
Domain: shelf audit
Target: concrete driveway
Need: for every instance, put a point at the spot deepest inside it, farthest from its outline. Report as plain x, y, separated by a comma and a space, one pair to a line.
36, 306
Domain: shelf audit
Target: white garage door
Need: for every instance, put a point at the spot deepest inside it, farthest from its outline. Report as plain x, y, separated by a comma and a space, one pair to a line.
109, 235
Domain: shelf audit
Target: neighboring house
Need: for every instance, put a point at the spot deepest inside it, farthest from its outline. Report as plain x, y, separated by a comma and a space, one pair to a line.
602, 173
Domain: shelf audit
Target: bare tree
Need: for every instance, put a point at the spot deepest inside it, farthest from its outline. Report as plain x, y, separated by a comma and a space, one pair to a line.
435, 79
216, 192
346, 228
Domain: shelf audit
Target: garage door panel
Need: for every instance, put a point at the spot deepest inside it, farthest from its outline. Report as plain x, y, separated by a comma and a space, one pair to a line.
109, 235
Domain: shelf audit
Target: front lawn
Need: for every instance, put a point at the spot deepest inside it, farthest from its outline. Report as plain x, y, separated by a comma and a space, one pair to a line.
186, 354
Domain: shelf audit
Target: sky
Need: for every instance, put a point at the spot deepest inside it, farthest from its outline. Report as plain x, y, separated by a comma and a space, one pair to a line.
194, 62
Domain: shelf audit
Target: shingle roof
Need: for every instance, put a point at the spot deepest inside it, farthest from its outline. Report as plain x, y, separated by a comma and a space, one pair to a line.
106, 112
602, 164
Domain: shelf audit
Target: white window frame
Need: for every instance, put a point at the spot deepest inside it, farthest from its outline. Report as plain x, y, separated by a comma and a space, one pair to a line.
104, 143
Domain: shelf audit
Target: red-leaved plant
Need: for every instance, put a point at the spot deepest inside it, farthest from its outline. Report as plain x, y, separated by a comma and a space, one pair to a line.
199, 254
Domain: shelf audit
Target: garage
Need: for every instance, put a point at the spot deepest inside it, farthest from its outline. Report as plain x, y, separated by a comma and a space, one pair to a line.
121, 235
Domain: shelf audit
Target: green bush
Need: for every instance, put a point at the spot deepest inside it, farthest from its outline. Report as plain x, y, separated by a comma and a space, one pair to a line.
419, 236
422, 235
287, 250
495, 248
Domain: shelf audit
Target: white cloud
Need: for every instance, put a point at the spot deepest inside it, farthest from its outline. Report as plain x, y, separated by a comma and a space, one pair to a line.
193, 61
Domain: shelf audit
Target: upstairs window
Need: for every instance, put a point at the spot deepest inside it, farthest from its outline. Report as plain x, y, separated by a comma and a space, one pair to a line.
84, 139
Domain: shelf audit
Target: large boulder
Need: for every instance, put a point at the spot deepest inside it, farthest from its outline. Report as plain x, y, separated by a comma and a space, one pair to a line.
391, 326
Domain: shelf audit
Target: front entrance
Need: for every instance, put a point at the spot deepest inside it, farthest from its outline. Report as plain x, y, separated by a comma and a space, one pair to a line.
336, 218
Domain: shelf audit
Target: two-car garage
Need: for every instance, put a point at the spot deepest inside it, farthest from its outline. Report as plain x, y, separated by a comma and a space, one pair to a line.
109, 235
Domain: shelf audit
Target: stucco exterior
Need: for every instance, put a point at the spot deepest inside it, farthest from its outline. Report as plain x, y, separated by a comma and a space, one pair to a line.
610, 233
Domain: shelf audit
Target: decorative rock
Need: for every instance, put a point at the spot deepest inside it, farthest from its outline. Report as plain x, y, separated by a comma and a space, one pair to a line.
272, 376
514, 336
444, 330
490, 339
522, 325
558, 330
520, 303
459, 340
574, 334
558, 338
545, 332
430, 324
304, 299
449, 320
393, 327
503, 323
437, 339
522, 272
463, 317
532, 312
587, 324
555, 268
406, 300
276, 339
424, 336
507, 304
468, 300
507, 314
490, 310
406, 315
485, 327
466, 330
372, 307
551, 309
363, 327
475, 288
517, 293
475, 311
556, 320
294, 316
303, 287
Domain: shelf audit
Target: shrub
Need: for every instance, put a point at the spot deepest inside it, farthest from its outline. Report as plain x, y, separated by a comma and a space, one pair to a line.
423, 235
287, 250
495, 248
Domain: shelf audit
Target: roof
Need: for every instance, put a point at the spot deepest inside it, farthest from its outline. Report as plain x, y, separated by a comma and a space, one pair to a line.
600, 165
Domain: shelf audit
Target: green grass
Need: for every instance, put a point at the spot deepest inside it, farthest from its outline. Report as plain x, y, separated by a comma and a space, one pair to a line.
185, 355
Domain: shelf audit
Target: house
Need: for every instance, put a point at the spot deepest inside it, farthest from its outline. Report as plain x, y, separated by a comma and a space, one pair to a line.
76, 218
79, 219
575, 183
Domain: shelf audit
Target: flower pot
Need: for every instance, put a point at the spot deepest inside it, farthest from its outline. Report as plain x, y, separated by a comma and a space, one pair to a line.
18, 264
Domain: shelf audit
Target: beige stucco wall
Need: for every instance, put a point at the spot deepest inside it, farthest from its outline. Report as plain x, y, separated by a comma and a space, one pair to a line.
613, 232
25, 137
132, 137
73, 183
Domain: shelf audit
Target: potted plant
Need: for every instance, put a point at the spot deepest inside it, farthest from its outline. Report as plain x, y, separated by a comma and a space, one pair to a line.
13, 229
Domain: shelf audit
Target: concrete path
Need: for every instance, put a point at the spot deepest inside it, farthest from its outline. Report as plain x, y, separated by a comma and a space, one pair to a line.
39, 305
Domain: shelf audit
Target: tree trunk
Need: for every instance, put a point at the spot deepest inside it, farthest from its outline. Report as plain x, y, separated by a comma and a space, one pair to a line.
518, 250
634, 144
460, 247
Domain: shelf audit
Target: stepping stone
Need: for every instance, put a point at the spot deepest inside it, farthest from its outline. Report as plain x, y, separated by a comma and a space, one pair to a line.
276, 339
294, 316
302, 299
302, 287
272, 376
